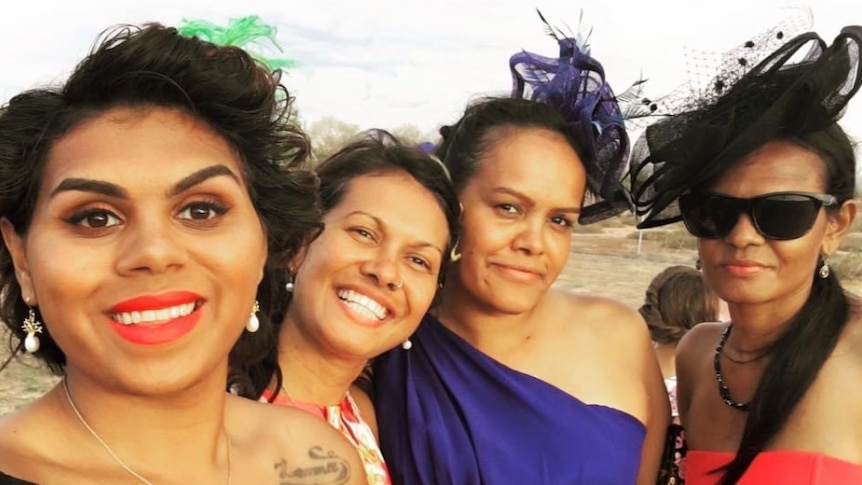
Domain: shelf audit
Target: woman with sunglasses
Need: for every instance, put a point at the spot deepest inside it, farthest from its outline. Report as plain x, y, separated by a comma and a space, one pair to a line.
761, 173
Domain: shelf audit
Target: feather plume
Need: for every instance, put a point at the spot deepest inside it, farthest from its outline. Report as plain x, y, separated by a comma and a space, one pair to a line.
549, 29
245, 32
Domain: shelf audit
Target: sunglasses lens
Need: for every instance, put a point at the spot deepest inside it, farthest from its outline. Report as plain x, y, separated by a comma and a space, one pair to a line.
776, 216
709, 216
785, 216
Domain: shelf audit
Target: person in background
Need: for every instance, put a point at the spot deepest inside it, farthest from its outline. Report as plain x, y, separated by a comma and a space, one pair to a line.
362, 287
676, 300
141, 204
508, 380
759, 170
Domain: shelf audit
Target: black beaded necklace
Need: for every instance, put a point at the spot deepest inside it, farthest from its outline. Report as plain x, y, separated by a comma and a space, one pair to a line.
722, 387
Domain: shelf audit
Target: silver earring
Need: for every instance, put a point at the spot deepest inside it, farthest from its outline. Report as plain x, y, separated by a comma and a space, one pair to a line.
289, 285
32, 327
253, 323
407, 344
824, 267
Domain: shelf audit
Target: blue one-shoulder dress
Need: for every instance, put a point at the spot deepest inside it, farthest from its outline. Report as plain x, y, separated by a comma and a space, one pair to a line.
450, 415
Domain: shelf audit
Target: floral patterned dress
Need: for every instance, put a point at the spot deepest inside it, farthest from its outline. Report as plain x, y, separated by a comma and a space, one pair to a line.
345, 418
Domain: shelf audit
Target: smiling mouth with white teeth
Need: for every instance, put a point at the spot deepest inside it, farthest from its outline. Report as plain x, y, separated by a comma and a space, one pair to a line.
154, 316
362, 304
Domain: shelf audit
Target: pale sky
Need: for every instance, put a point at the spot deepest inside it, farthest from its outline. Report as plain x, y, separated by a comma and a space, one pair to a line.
384, 63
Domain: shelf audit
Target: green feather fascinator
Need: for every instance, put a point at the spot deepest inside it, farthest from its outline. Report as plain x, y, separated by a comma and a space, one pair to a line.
245, 32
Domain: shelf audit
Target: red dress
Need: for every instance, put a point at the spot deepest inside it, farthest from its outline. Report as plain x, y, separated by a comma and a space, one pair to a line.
783, 467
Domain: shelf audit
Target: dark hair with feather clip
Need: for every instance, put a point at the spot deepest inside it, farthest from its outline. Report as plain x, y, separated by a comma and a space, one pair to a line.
568, 95
154, 66
796, 94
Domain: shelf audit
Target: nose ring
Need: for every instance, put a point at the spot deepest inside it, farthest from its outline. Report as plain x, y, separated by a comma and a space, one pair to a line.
396, 286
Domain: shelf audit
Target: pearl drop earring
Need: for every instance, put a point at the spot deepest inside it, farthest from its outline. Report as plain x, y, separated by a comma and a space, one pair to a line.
31, 326
253, 323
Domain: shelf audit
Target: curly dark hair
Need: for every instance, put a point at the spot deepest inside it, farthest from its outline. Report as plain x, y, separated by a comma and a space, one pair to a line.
153, 66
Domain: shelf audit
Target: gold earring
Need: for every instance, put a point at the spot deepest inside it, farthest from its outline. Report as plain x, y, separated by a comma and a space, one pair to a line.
454, 255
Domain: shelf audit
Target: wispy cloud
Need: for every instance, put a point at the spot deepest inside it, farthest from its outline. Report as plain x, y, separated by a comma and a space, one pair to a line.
389, 62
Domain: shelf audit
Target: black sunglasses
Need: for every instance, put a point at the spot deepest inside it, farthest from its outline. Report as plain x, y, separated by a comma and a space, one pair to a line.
778, 216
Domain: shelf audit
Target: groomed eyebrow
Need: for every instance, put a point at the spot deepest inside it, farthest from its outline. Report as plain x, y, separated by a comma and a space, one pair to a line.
113, 190
379, 223
88, 185
519, 195
201, 176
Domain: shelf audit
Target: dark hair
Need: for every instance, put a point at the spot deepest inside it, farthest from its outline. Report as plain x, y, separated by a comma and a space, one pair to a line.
153, 66
810, 336
484, 123
676, 300
373, 152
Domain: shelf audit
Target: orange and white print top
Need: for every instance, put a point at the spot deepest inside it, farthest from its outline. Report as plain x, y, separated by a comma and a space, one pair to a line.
345, 418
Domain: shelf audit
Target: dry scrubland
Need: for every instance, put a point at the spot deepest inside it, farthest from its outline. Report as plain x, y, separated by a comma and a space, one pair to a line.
605, 260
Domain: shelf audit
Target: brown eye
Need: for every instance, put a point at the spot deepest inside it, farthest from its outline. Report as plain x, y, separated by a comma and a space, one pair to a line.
362, 233
201, 211
94, 219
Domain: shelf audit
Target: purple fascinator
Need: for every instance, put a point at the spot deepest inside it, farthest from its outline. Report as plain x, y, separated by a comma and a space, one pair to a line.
574, 83
427, 146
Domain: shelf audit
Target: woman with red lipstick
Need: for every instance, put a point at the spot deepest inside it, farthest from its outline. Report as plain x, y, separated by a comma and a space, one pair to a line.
363, 285
762, 174
142, 202
510, 381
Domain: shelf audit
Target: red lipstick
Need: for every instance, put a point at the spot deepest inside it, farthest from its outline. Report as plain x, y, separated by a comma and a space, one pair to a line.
164, 330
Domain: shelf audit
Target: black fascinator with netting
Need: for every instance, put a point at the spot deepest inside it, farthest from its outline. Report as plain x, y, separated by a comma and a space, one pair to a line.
574, 83
796, 89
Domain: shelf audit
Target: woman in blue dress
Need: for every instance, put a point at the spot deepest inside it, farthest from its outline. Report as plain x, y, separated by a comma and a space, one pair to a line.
508, 380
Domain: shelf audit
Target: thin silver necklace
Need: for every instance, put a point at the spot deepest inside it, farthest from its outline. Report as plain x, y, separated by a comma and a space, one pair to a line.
114, 455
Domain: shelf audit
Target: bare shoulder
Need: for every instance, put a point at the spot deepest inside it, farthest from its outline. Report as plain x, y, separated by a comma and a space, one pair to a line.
604, 318
280, 424
696, 349
701, 336
611, 358
294, 443
13, 438
31, 441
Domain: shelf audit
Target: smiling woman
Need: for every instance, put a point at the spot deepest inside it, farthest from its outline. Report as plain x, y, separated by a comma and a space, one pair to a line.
133, 253
363, 285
